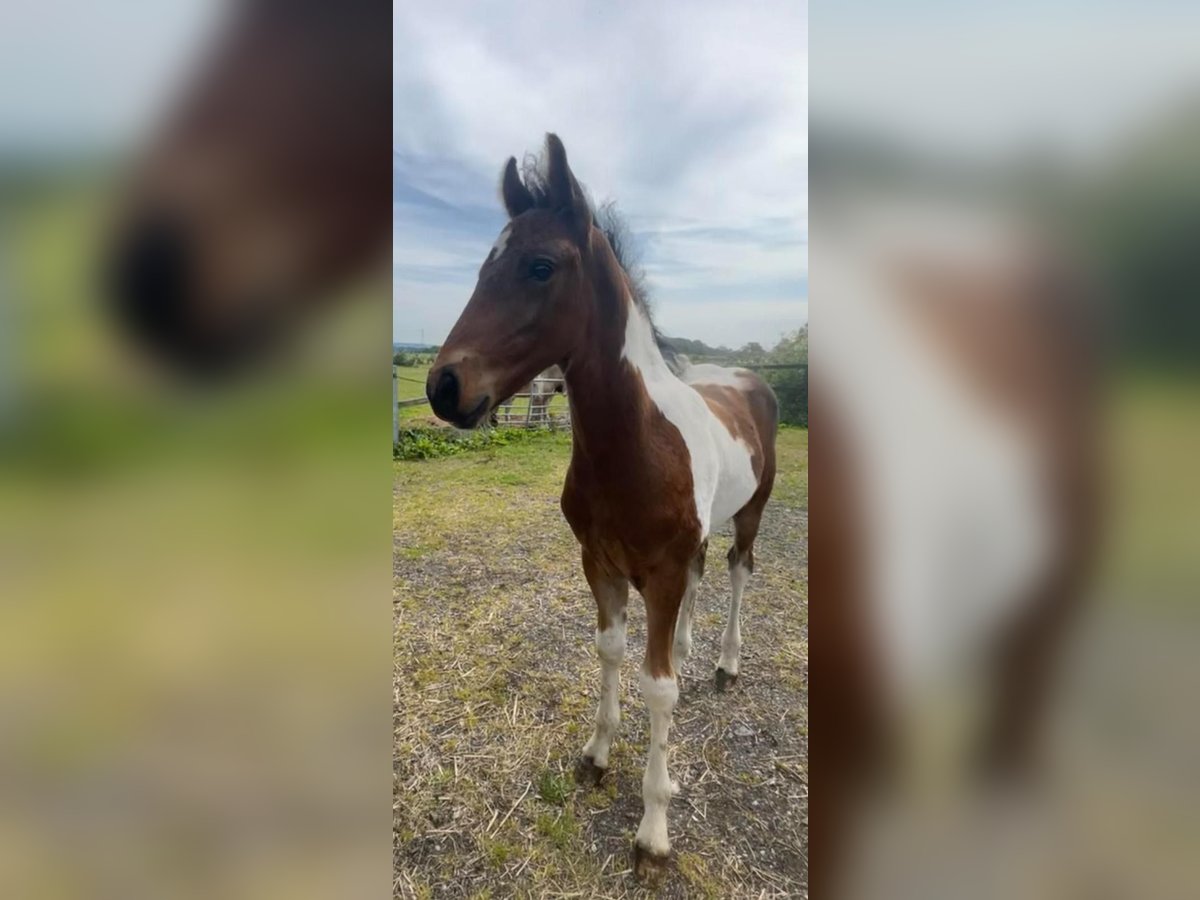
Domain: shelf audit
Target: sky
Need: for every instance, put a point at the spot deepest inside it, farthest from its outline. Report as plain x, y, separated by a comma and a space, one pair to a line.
987, 81
692, 117
80, 78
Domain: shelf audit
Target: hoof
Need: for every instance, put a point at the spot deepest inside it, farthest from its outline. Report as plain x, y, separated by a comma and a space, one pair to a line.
724, 679
587, 773
648, 867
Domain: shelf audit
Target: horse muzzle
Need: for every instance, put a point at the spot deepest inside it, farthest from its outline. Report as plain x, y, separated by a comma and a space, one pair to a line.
444, 389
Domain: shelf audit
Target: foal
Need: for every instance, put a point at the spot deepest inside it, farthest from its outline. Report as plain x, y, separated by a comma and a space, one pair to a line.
540, 392
658, 459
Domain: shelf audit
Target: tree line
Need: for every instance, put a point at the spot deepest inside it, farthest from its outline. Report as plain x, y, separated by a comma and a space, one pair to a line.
790, 385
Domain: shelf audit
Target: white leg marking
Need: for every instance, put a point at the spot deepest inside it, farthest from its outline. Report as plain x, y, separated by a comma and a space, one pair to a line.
731, 642
683, 626
610, 645
660, 695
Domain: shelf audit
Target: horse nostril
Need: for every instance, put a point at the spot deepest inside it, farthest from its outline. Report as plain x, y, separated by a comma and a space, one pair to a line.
443, 394
149, 280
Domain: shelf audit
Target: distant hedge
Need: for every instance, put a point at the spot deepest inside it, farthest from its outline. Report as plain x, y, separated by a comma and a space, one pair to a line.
406, 358
791, 390
431, 442
790, 385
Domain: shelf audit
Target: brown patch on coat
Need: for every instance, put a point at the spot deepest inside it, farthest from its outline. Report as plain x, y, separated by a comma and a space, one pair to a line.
749, 412
1021, 339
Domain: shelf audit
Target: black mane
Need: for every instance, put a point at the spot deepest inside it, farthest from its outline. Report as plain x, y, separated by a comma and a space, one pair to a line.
620, 238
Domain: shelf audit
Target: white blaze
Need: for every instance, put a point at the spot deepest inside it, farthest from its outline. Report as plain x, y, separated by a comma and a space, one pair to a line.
501, 242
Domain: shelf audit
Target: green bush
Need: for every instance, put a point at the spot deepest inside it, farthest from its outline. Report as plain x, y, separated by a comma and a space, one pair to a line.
791, 390
410, 358
790, 385
436, 443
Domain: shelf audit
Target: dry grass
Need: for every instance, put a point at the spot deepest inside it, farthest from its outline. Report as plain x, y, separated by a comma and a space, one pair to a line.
496, 682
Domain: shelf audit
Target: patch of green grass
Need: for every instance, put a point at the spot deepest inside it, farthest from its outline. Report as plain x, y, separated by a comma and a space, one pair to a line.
418, 551
426, 512
513, 479
554, 787
560, 830
1153, 442
410, 381
602, 797
695, 872
791, 464
498, 851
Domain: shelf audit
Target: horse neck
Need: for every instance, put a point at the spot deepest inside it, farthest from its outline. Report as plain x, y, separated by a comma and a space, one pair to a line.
607, 397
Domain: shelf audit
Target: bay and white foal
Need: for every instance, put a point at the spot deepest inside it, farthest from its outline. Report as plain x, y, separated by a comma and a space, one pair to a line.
658, 461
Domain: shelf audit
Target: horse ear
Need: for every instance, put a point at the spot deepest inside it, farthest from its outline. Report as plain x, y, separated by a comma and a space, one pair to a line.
517, 198
565, 193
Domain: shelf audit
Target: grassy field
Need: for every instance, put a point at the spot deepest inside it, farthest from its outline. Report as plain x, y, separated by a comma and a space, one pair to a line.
410, 384
496, 683
1152, 556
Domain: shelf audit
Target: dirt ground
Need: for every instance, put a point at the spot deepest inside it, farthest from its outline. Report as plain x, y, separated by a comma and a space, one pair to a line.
496, 683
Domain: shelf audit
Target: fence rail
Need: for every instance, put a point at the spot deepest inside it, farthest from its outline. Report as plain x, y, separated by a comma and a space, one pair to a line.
528, 409
537, 401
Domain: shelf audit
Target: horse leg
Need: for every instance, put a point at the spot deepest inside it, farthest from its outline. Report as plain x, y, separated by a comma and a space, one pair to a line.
741, 564
683, 627
612, 594
1023, 675
663, 594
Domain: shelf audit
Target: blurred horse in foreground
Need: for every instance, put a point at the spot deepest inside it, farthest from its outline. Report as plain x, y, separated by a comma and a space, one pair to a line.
954, 469
266, 189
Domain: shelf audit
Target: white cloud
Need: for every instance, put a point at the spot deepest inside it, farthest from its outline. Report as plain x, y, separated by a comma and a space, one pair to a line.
693, 116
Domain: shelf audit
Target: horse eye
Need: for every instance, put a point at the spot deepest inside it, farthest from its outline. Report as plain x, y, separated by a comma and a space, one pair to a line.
541, 270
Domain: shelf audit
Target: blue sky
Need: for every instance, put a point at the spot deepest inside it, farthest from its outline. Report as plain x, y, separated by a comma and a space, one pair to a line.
692, 117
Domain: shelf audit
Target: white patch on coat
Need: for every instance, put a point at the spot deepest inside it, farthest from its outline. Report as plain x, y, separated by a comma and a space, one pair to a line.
731, 641
722, 475
610, 647
707, 373
501, 243
958, 524
660, 695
